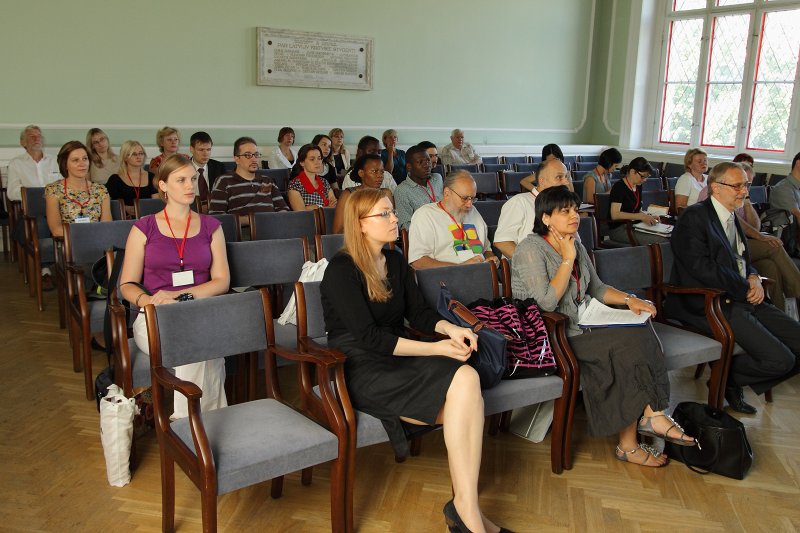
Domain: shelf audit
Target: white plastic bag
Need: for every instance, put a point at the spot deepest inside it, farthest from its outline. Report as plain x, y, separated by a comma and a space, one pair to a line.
311, 272
532, 422
116, 434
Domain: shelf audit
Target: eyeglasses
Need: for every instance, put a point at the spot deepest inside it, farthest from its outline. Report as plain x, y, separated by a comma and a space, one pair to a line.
248, 155
737, 186
383, 214
643, 175
137, 154
464, 199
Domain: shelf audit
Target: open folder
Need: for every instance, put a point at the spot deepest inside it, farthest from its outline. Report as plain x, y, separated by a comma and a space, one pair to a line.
657, 229
599, 315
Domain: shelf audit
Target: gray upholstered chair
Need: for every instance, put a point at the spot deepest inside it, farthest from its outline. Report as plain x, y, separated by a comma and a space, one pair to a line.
471, 168
38, 246
487, 185
328, 245
517, 159
275, 264
283, 225
324, 219
230, 226
511, 181
602, 213
147, 206
633, 270
237, 446
84, 244
490, 210
469, 283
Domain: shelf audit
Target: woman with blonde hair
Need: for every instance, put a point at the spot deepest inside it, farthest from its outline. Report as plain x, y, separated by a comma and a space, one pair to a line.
172, 256
168, 140
339, 153
367, 293
694, 180
131, 182
104, 160
75, 199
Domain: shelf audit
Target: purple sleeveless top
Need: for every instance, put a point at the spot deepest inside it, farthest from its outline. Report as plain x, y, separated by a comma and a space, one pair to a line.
161, 256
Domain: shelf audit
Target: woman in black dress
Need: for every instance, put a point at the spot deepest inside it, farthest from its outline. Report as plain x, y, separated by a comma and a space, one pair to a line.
367, 292
131, 182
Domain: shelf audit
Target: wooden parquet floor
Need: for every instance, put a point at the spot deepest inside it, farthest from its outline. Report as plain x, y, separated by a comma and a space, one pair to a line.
52, 474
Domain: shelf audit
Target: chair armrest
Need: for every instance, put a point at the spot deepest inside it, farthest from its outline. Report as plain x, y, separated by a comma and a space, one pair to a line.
168, 380
556, 324
123, 369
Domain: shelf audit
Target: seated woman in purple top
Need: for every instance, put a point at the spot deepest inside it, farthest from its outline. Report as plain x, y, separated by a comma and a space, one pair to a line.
174, 253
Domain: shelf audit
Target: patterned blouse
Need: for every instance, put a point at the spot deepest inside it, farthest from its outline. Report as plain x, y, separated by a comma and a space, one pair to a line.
316, 194
78, 203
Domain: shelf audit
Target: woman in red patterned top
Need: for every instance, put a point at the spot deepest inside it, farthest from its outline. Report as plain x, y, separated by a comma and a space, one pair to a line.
309, 190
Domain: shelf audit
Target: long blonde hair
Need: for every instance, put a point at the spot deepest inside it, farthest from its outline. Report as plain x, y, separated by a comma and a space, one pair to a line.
93, 154
359, 204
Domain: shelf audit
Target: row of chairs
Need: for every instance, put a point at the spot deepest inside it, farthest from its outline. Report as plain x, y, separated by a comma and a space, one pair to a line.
223, 459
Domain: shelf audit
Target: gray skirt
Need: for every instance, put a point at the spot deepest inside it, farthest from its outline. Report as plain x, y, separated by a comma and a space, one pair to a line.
622, 371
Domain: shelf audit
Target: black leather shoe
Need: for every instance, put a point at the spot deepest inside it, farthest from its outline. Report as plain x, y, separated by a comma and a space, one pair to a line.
735, 398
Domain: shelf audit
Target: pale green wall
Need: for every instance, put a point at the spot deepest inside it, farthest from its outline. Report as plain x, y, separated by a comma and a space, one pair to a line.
130, 67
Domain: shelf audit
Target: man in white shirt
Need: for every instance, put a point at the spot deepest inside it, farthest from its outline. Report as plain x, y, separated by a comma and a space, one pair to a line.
451, 231
459, 152
33, 168
369, 145
518, 213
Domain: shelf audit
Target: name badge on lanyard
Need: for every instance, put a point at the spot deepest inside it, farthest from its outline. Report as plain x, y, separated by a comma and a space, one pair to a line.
182, 277
83, 219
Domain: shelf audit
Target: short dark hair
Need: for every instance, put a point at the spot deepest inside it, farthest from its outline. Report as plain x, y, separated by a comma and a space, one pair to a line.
359, 164
639, 164
414, 150
283, 131
744, 157
795, 160
200, 137
426, 144
65, 151
302, 154
367, 140
548, 201
609, 157
240, 141
552, 149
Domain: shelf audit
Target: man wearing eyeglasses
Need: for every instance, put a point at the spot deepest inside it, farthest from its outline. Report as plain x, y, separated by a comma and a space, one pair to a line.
710, 250
449, 232
244, 192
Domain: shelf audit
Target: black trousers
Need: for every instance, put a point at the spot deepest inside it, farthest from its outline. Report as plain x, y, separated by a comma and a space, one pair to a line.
771, 339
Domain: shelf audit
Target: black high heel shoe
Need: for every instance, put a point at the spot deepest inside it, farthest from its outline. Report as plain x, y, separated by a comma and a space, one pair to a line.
453, 521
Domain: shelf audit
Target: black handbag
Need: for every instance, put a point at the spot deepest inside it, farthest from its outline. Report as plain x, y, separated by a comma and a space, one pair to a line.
723, 449
490, 358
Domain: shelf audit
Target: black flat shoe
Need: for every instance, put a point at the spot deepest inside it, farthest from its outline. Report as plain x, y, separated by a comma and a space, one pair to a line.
735, 398
97, 346
454, 522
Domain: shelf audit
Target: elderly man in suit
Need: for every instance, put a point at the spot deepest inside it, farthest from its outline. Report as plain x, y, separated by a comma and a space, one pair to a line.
710, 250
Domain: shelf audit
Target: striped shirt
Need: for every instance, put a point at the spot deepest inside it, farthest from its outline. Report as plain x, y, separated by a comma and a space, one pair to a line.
410, 196
239, 196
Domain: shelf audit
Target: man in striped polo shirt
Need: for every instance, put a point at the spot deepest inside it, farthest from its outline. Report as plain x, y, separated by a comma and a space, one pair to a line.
244, 192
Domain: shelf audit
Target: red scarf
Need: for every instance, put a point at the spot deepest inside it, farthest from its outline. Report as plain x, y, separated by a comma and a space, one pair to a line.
310, 189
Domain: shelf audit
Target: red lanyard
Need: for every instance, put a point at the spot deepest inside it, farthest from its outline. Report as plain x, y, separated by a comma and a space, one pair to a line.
73, 200
185, 233
136, 187
575, 273
459, 226
432, 194
635, 192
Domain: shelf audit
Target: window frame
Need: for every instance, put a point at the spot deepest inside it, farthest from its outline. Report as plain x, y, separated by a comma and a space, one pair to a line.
757, 10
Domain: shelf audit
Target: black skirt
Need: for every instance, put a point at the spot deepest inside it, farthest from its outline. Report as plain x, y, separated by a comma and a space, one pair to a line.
388, 387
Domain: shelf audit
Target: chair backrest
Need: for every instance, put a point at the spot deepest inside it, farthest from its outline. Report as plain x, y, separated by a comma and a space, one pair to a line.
674, 170
585, 165
653, 183
658, 165
310, 318
283, 225
655, 197
208, 328
570, 161
602, 206
671, 183
490, 210
230, 226
758, 194
495, 167
268, 262
33, 202
229, 166
577, 186
535, 159
491, 159
328, 245
467, 283
516, 159
469, 168
148, 206
774, 179
486, 182
279, 176
325, 218
589, 159
663, 262
528, 168
117, 210
627, 269
587, 229
760, 178
511, 181
86, 243
438, 169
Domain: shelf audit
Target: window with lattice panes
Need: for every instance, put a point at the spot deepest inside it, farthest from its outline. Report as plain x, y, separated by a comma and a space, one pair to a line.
729, 77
